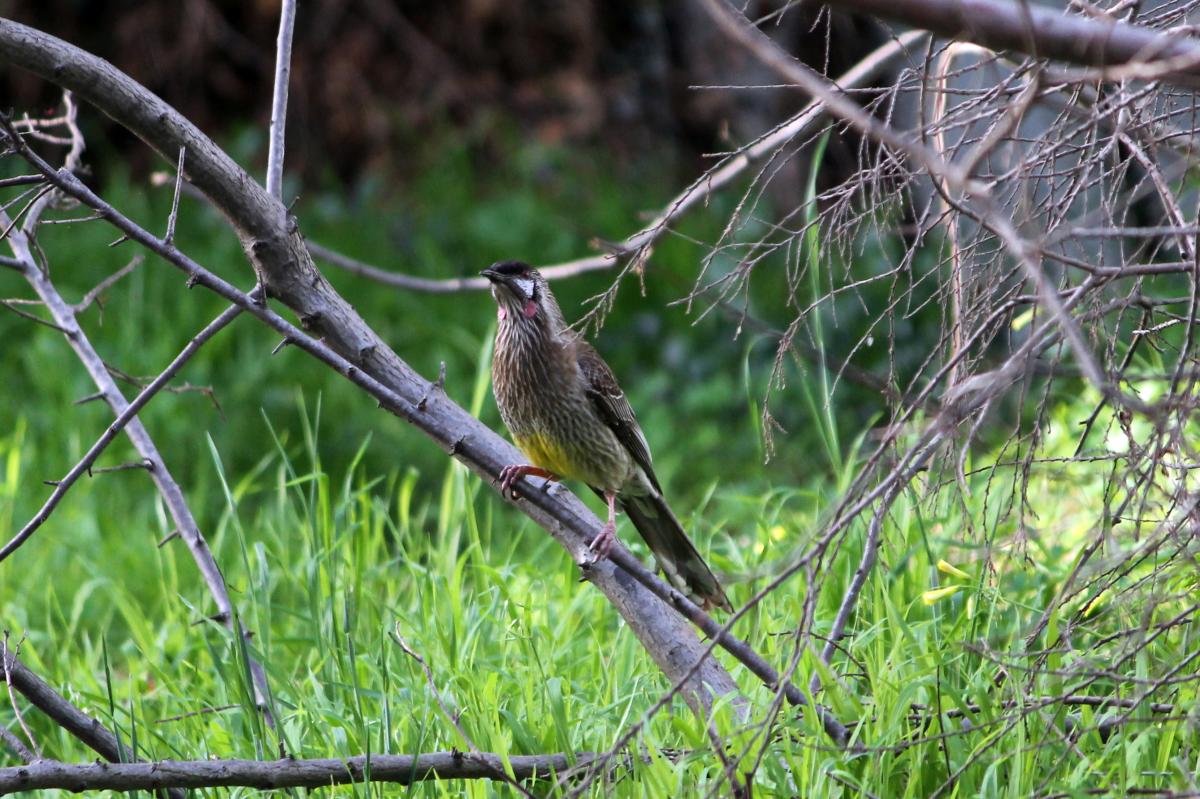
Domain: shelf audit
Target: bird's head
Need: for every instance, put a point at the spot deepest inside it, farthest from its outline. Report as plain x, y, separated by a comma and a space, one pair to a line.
520, 290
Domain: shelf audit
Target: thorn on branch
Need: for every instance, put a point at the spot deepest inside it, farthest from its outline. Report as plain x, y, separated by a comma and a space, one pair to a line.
438, 385
171, 536
283, 343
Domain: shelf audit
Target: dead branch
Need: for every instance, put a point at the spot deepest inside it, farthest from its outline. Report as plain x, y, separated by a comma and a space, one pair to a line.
286, 773
1045, 32
95, 294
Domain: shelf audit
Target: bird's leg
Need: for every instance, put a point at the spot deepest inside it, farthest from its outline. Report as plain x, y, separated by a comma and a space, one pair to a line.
510, 475
602, 544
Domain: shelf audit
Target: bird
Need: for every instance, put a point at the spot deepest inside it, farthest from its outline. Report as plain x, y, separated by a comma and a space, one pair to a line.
566, 413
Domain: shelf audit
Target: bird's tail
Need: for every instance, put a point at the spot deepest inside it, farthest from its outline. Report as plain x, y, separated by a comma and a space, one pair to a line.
673, 550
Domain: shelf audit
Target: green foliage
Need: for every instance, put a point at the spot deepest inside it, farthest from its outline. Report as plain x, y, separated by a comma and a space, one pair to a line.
342, 533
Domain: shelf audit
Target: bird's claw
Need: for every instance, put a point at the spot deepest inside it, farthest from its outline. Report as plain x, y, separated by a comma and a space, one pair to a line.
509, 477
602, 544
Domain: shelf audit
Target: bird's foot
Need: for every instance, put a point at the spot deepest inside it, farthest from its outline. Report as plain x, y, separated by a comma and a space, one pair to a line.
511, 475
602, 544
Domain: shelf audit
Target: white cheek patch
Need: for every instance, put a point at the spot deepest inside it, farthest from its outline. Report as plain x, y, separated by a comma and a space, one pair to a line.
526, 286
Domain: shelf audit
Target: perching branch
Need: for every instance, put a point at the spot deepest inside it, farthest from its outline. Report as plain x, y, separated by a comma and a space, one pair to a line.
686, 661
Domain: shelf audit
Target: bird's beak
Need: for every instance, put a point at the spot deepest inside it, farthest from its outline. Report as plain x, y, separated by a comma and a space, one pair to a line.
492, 275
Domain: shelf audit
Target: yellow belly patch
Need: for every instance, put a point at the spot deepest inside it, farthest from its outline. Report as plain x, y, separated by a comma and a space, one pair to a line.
547, 454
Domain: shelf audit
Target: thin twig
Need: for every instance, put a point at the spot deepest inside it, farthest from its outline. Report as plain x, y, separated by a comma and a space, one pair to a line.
695, 195
12, 306
104, 285
279, 98
173, 217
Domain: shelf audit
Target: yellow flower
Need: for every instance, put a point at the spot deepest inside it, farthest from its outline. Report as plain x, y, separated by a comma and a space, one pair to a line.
948, 568
777, 532
938, 594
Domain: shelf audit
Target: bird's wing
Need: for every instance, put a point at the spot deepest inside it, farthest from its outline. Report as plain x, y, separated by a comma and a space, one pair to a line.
613, 408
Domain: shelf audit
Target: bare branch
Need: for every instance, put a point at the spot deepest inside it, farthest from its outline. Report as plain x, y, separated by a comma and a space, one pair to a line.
12, 306
173, 217
1044, 32
858, 581
12, 698
21, 180
283, 71
286, 773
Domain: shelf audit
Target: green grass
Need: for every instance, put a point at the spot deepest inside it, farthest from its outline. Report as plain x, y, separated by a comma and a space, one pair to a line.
327, 568
340, 530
